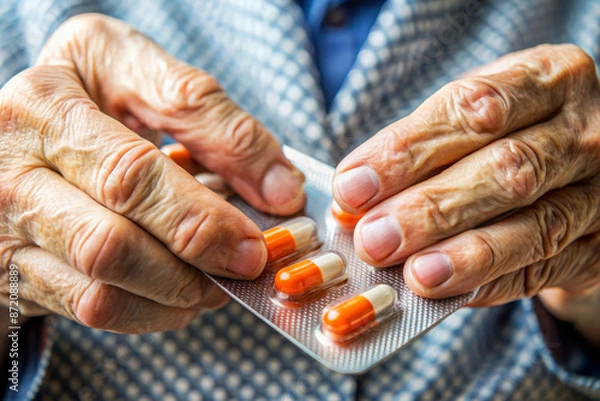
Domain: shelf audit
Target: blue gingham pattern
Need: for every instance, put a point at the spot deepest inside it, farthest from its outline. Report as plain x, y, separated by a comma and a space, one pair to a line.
260, 52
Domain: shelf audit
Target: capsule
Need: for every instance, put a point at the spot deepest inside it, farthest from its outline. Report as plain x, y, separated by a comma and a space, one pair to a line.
215, 183
353, 315
307, 275
344, 220
290, 237
182, 156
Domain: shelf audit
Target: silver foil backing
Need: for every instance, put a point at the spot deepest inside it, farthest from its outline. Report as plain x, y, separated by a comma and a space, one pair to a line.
300, 325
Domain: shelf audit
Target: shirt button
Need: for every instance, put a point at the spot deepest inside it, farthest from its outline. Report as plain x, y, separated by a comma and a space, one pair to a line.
335, 17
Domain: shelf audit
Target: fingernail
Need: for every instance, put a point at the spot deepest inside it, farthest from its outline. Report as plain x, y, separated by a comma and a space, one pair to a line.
381, 237
248, 259
432, 269
283, 187
357, 186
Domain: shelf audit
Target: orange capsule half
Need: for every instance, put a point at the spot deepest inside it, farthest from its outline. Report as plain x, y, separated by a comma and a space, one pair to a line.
180, 155
344, 220
290, 237
350, 317
307, 275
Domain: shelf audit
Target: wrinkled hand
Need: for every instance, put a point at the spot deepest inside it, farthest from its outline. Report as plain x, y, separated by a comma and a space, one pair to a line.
493, 182
105, 228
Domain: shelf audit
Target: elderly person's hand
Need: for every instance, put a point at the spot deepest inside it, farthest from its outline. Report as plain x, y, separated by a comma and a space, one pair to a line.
101, 225
493, 182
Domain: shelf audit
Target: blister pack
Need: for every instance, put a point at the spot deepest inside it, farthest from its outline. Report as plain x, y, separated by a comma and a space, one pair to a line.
319, 294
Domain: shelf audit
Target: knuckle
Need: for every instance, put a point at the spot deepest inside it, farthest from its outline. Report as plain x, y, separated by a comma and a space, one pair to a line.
25, 81
522, 283
186, 89
395, 150
477, 106
580, 62
127, 179
484, 254
439, 223
554, 227
41, 82
393, 141
565, 64
495, 292
189, 294
87, 22
199, 233
533, 278
97, 250
65, 112
98, 306
577, 267
28, 84
73, 39
540, 67
244, 139
39, 100
188, 238
517, 170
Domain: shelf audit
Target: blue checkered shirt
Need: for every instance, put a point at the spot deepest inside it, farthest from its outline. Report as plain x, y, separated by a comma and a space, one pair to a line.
261, 52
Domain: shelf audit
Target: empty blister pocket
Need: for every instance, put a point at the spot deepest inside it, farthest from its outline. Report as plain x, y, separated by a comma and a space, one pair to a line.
411, 316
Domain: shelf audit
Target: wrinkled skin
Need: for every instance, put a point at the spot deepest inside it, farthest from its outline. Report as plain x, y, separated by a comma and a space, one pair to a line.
104, 228
492, 183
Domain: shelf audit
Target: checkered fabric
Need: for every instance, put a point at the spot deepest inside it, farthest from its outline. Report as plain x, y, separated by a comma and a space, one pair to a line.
260, 52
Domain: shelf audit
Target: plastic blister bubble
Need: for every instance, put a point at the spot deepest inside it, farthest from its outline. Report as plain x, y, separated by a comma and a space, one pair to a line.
309, 278
300, 324
289, 240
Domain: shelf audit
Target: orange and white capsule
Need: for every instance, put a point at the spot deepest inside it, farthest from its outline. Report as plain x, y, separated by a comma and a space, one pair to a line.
350, 317
346, 221
291, 236
310, 274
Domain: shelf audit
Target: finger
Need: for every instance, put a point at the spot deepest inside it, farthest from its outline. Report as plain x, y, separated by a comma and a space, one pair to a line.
103, 245
535, 248
180, 155
510, 173
50, 282
577, 268
520, 59
143, 81
131, 177
461, 118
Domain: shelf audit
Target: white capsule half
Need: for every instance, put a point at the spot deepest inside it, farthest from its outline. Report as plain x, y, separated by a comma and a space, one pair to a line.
290, 237
382, 297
